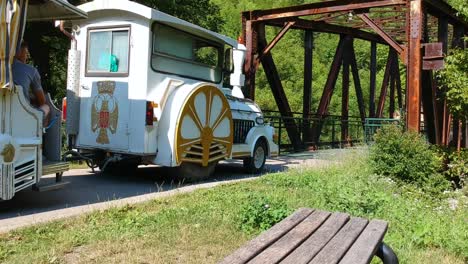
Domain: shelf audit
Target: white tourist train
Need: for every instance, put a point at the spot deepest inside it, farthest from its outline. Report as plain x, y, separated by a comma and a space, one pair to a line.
148, 88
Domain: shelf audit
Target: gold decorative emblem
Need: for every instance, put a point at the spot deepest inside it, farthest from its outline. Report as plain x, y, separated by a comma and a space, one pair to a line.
8, 153
104, 112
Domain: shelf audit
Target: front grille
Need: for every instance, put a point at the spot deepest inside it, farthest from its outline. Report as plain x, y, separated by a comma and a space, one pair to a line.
195, 153
25, 175
241, 129
24, 168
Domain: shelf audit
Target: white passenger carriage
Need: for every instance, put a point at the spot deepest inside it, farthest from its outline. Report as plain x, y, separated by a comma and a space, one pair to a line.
147, 88
27, 149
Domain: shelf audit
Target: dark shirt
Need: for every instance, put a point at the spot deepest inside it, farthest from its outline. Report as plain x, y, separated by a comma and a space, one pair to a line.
28, 77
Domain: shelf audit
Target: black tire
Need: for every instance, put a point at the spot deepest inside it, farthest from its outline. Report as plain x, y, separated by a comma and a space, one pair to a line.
193, 172
255, 164
58, 176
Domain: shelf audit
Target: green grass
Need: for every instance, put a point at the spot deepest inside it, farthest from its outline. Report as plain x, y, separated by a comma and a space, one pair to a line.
205, 226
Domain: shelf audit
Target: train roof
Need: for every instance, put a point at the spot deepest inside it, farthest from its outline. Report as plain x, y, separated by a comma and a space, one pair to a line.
155, 15
39, 10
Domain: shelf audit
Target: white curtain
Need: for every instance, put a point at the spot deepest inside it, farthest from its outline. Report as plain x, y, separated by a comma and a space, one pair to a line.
120, 49
12, 21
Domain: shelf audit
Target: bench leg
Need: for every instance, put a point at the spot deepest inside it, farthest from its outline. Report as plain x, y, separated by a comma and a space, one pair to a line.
386, 254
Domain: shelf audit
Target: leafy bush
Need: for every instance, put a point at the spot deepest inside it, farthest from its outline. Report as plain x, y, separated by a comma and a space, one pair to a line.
405, 156
457, 168
261, 213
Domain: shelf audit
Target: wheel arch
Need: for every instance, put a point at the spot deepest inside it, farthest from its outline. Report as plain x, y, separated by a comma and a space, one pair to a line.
207, 127
265, 141
256, 138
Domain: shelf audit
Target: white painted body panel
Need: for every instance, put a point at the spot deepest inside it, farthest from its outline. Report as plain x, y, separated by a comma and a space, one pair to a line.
21, 127
131, 103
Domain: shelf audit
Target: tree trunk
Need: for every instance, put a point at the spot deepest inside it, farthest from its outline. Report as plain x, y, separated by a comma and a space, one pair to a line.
459, 139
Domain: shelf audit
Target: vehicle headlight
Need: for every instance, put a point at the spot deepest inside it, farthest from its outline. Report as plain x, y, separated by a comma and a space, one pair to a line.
259, 120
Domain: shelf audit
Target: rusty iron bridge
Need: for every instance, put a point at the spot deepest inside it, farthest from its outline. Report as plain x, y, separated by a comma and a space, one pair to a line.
419, 34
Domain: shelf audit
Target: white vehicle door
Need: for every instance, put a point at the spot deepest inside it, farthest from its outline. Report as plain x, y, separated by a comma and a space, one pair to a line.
105, 107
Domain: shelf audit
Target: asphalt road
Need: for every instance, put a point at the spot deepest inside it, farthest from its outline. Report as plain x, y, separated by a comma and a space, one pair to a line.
90, 191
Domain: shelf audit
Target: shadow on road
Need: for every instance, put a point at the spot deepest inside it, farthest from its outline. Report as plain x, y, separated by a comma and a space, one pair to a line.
87, 187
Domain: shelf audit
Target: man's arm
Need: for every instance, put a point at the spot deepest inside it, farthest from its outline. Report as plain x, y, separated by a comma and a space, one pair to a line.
36, 87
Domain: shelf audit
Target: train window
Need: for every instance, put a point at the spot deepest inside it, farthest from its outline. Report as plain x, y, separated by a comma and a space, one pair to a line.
181, 53
108, 52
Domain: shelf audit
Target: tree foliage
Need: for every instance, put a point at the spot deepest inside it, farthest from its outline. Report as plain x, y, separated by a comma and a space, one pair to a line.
454, 78
200, 12
461, 6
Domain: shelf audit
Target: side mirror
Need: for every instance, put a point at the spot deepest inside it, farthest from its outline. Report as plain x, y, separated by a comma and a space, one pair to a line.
228, 64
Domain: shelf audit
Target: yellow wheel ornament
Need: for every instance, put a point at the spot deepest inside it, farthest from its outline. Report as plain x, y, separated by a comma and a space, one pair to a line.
204, 131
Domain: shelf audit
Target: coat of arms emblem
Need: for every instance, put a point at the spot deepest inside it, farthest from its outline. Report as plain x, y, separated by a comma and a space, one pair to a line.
104, 112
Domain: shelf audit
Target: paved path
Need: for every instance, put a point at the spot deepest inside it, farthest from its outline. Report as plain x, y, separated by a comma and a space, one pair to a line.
89, 191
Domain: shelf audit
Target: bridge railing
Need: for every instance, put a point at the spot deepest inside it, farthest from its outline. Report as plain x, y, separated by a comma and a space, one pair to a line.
373, 124
318, 132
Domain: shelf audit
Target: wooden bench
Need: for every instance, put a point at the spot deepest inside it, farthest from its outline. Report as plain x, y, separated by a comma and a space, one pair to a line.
314, 236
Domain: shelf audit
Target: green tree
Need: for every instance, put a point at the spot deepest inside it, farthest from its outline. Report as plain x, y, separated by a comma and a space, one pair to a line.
454, 77
461, 6
200, 12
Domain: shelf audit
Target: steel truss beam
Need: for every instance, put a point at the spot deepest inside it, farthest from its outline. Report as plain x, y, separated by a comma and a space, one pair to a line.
307, 94
391, 108
414, 68
398, 85
323, 8
278, 37
430, 109
373, 77
345, 89
429, 95
332, 77
277, 89
357, 84
329, 88
250, 37
328, 28
395, 45
385, 82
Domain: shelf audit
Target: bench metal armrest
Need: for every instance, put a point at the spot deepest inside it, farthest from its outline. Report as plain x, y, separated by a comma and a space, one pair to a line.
386, 254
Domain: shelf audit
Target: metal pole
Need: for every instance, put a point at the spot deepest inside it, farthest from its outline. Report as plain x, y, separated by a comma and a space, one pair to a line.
373, 77
279, 135
414, 65
307, 100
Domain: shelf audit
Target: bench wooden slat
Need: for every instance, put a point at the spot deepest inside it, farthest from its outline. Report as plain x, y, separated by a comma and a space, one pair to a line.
337, 247
363, 250
281, 248
307, 250
256, 245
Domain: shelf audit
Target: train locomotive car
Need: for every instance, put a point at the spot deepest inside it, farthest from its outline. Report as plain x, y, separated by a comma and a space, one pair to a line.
145, 87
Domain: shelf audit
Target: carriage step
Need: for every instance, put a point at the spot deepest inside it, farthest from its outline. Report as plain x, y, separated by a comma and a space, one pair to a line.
50, 187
